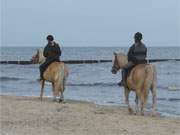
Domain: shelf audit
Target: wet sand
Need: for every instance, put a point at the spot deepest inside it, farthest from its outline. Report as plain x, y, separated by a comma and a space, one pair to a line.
30, 116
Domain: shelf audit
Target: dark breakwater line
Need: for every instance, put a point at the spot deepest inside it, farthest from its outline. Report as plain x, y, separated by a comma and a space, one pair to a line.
84, 61
10, 78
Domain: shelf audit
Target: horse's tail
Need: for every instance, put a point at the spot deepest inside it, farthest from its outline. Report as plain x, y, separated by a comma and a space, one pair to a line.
63, 74
66, 70
63, 70
154, 78
148, 80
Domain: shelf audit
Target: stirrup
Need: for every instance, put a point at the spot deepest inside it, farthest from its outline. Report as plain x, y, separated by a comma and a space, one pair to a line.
121, 83
40, 79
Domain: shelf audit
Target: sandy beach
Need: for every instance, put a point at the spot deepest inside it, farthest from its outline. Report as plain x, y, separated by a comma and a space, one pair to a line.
30, 116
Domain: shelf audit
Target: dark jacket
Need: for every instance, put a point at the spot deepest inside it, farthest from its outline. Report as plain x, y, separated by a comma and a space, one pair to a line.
137, 54
52, 51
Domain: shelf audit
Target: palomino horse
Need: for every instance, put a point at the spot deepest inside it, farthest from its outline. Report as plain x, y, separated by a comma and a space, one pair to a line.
56, 73
141, 79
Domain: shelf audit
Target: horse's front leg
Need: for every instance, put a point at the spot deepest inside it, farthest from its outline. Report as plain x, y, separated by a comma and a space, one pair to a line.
126, 92
62, 88
53, 89
42, 89
61, 97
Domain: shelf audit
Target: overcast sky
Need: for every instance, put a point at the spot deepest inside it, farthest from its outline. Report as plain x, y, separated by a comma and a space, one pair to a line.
90, 22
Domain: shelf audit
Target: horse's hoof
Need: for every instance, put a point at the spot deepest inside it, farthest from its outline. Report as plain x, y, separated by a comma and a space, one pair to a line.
61, 100
54, 100
120, 84
40, 98
153, 114
130, 111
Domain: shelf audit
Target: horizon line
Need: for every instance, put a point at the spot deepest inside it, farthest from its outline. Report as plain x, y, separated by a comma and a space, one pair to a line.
89, 46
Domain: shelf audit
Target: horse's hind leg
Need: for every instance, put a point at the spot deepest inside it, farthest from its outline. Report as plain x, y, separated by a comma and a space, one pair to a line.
136, 101
142, 106
143, 98
126, 92
153, 90
154, 99
61, 97
62, 88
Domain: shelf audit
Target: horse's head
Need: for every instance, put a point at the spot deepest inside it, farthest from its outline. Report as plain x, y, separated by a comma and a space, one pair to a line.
38, 57
35, 58
119, 61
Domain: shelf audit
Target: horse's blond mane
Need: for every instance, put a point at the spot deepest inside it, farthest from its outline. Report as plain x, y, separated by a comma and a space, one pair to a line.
121, 54
122, 59
38, 57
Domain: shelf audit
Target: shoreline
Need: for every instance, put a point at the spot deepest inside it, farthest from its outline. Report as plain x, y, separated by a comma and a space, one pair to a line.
147, 111
28, 115
122, 106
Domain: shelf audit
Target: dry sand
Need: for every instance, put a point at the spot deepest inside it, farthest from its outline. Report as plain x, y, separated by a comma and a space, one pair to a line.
30, 116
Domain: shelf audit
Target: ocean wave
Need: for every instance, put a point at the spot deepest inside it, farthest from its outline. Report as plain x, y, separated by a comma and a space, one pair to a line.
110, 84
4, 78
83, 84
169, 88
92, 84
169, 99
173, 88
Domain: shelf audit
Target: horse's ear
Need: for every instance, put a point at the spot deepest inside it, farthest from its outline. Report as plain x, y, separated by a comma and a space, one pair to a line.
37, 51
115, 53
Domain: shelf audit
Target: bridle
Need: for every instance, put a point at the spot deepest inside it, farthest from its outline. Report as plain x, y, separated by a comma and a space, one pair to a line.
115, 66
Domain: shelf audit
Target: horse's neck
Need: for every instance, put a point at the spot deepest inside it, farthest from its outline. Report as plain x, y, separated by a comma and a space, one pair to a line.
41, 57
125, 63
122, 60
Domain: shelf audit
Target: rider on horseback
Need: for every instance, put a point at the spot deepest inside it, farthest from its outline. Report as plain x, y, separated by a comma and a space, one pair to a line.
52, 52
136, 55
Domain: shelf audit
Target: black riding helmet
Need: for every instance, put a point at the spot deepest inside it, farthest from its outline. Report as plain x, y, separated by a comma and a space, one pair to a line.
138, 36
50, 38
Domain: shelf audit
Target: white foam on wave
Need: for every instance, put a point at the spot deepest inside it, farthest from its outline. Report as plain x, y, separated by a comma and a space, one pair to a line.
173, 88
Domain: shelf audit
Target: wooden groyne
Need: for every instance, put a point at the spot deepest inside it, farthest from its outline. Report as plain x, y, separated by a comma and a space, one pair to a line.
84, 61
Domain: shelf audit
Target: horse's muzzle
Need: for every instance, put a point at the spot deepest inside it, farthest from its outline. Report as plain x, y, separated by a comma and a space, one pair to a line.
114, 71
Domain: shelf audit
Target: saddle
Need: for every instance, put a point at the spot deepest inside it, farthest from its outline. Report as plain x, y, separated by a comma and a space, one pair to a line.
128, 71
135, 64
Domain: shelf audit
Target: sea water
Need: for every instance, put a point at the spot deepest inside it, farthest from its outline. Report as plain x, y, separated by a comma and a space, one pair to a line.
93, 82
